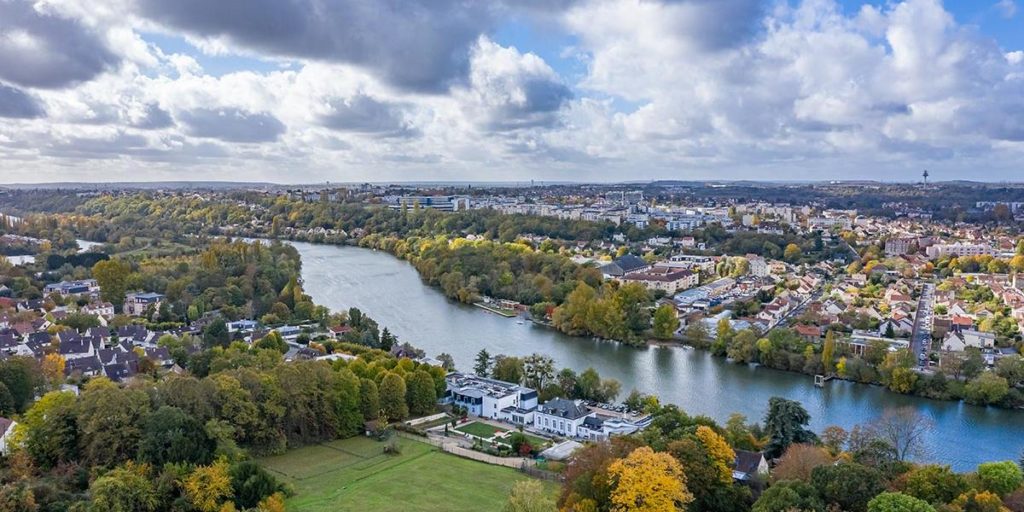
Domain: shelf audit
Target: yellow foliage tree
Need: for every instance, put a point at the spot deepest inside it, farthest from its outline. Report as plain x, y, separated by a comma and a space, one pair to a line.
719, 451
646, 481
208, 486
53, 368
272, 503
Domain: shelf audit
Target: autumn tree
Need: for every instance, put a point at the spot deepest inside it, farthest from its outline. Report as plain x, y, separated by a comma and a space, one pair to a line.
898, 502
828, 352
718, 449
124, 489
52, 367
799, 461
935, 484
788, 496
392, 397
112, 277
207, 487
904, 429
666, 322
646, 481
1000, 477
529, 496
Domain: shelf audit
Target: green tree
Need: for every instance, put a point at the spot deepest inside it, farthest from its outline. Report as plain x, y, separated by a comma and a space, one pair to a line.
850, 485
787, 496
666, 322
112, 277
22, 376
392, 397
987, 388
421, 393
483, 363
110, 420
785, 424
124, 489
273, 340
898, 502
216, 334
369, 399
508, 369
1000, 477
251, 484
935, 484
50, 429
171, 436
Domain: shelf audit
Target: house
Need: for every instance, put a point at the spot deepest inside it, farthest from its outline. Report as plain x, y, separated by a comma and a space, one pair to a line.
958, 340
100, 309
749, 466
810, 333
562, 417
65, 288
900, 325
624, 265
85, 366
135, 304
758, 266
491, 398
7, 426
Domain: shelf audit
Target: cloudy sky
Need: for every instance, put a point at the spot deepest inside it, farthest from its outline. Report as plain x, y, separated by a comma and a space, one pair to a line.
503, 90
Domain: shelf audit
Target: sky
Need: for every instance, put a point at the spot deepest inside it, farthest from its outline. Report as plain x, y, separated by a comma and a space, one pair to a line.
306, 91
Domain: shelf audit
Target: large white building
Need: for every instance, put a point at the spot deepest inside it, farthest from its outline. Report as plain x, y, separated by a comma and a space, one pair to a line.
562, 417
491, 398
668, 279
959, 250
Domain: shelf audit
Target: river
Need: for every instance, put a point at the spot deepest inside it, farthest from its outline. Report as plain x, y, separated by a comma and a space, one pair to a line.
389, 290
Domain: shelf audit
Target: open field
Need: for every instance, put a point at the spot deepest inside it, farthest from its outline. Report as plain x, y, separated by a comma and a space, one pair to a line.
355, 475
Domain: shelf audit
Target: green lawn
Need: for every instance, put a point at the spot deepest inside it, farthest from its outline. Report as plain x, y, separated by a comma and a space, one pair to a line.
355, 475
479, 429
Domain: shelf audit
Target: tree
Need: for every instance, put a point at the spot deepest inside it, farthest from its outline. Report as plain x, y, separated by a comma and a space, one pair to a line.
6, 401
109, 420
975, 501
849, 485
721, 454
447, 361
421, 393
792, 253
392, 397
52, 368
171, 436
828, 352
50, 429
787, 496
799, 461
987, 388
1000, 478
208, 487
508, 369
904, 429
124, 489
112, 277
784, 423
216, 334
538, 370
251, 484
898, 502
483, 363
21, 376
646, 481
369, 399
935, 484
274, 341
666, 322
529, 496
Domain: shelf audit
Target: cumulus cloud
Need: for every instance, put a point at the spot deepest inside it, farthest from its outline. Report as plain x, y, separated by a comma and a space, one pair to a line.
232, 125
17, 104
510, 90
364, 114
43, 49
415, 44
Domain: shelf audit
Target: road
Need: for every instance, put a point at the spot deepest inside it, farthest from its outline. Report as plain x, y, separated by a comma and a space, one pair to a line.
921, 339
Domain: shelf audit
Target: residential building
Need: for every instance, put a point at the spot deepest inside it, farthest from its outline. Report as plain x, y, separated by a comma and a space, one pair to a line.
758, 266
491, 398
7, 427
667, 279
749, 465
135, 304
562, 417
66, 288
958, 340
959, 250
624, 265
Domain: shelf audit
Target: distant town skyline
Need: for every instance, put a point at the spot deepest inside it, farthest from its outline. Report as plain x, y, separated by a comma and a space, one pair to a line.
310, 91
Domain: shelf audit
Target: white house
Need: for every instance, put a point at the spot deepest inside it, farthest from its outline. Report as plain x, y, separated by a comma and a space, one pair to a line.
6, 431
491, 398
959, 340
562, 417
135, 304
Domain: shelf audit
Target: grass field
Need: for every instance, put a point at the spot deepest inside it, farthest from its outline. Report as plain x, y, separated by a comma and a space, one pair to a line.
355, 475
479, 429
